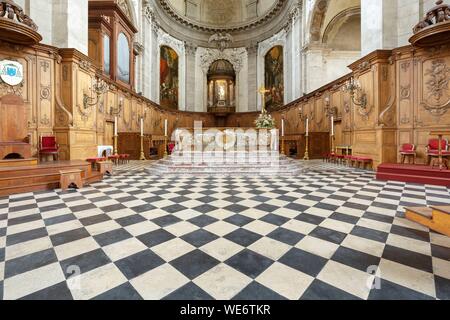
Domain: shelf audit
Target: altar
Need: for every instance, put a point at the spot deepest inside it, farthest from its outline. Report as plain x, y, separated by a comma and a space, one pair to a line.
225, 139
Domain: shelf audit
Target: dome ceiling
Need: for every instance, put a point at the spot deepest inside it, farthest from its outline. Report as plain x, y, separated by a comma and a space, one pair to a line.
242, 23
222, 15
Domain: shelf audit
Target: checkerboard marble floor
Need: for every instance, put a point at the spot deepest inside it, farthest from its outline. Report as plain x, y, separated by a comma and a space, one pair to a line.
331, 233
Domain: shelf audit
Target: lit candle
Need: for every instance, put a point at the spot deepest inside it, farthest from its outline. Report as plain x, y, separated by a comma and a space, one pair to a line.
332, 125
115, 126
142, 126
307, 126
165, 127
282, 127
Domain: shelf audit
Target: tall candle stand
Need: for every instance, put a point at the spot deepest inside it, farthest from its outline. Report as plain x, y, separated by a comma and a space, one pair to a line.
332, 144
115, 145
165, 147
306, 157
282, 146
142, 156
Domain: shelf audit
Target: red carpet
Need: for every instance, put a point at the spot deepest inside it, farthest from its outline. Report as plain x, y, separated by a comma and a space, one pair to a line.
413, 173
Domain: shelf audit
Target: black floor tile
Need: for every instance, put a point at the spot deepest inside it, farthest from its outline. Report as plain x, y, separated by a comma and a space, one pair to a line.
194, 263
249, 263
58, 291
442, 288
85, 262
69, 236
386, 290
94, 219
243, 237
156, 237
122, 292
256, 291
239, 220
199, 238
139, 263
310, 218
166, 221
29, 262
303, 261
203, 220
189, 291
286, 236
111, 237
319, 290
369, 234
328, 235
356, 259
409, 258
274, 219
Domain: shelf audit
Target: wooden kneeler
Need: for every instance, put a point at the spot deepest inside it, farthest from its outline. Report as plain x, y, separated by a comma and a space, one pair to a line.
105, 167
71, 179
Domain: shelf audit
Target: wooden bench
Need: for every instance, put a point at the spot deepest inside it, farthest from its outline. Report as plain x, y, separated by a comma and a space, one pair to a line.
105, 167
361, 161
71, 179
436, 218
94, 161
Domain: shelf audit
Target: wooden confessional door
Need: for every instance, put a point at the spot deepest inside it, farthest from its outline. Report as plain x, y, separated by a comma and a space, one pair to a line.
13, 128
109, 134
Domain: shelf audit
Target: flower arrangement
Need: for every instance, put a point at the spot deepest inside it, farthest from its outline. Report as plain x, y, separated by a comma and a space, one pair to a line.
265, 121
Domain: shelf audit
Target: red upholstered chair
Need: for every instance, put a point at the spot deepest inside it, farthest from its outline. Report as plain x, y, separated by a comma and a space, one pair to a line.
48, 146
408, 150
170, 147
433, 148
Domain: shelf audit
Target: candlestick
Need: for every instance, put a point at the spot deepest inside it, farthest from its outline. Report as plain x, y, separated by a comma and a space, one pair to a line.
332, 125
282, 127
142, 126
142, 156
115, 145
307, 127
115, 126
165, 127
306, 157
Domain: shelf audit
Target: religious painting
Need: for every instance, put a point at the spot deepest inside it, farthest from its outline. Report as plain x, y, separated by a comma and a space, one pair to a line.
168, 78
123, 60
274, 77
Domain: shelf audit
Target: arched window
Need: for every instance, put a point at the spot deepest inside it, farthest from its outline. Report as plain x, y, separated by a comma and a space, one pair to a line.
106, 54
274, 77
168, 74
123, 58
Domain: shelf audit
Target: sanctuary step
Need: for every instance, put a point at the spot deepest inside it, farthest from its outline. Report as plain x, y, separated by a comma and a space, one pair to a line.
436, 218
43, 176
234, 164
413, 174
18, 162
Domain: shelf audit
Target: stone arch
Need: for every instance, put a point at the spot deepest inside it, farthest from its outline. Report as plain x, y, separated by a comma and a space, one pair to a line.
336, 34
317, 19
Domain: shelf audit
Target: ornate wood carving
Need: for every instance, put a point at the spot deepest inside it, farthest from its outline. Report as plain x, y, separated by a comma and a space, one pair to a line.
16, 26
437, 84
434, 28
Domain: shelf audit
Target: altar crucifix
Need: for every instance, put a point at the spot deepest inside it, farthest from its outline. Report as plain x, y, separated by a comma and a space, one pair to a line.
263, 92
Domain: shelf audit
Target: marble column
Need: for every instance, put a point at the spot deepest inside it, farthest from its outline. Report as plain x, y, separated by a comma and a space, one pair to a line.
69, 23
190, 77
252, 77
379, 29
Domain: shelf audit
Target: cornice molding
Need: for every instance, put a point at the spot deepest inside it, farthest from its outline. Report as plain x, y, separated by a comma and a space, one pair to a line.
193, 24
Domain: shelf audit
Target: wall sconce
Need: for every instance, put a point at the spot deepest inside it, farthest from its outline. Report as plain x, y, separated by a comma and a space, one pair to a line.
359, 97
301, 115
330, 111
99, 87
118, 110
